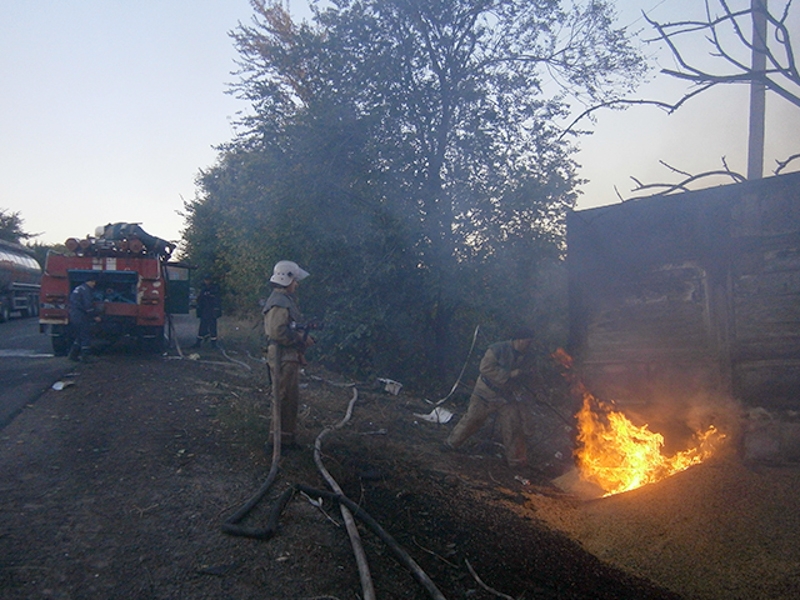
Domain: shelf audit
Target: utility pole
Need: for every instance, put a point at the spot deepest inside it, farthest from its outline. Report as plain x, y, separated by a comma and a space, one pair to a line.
755, 150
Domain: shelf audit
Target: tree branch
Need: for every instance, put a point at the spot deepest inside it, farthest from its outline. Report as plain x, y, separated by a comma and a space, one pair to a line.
783, 163
666, 106
683, 186
782, 76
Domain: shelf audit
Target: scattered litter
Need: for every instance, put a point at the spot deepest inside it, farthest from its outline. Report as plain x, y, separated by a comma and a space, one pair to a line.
318, 502
60, 385
522, 480
437, 415
391, 386
194, 356
376, 432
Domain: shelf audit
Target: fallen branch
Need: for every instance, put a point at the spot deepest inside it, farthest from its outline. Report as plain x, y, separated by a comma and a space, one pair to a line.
483, 585
432, 553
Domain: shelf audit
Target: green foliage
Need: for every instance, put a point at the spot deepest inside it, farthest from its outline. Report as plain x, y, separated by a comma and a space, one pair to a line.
405, 153
11, 227
40, 250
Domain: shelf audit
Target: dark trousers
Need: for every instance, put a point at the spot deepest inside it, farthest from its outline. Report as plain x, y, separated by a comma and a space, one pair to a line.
208, 329
82, 334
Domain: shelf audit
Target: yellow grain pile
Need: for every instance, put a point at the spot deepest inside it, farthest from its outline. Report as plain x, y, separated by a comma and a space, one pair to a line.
720, 530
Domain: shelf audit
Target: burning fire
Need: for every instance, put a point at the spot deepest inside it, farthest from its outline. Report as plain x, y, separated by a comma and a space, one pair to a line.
618, 456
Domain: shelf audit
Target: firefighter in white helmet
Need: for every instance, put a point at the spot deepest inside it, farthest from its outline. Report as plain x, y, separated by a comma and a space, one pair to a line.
287, 342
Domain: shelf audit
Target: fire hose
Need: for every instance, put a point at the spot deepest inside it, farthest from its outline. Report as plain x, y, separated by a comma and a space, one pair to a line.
231, 525
464, 368
348, 508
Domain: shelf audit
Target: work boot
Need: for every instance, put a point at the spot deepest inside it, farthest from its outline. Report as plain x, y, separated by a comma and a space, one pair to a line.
214, 344
198, 343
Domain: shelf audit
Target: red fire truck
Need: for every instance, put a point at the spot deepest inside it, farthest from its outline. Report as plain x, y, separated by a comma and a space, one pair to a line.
19, 281
137, 286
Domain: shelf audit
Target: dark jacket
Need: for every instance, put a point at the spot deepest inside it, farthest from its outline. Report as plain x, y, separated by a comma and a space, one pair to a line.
208, 302
81, 304
494, 382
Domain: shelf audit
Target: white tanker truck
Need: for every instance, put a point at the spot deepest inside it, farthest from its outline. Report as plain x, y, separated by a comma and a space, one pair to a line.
20, 277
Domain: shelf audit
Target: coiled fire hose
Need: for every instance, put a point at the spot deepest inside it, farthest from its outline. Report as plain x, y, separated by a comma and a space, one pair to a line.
232, 525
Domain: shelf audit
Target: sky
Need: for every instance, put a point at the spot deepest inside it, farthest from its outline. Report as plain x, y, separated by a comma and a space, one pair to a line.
110, 108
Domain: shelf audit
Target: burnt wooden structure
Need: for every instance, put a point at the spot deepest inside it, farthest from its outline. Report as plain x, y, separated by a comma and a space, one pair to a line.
681, 297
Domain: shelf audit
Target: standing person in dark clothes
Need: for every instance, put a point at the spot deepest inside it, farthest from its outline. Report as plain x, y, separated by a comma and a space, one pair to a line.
209, 309
82, 313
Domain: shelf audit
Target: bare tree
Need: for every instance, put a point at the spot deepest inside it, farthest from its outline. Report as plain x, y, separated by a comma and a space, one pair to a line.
748, 44
726, 32
751, 45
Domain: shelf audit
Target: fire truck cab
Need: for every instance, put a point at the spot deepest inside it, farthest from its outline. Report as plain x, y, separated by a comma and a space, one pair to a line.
137, 287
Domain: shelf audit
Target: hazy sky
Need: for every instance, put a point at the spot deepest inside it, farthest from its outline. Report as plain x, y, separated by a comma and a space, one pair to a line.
108, 109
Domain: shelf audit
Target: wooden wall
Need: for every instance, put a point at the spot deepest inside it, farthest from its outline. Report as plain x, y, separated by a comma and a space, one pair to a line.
675, 298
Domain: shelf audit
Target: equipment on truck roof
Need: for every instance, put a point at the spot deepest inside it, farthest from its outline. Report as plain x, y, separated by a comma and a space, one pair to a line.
137, 286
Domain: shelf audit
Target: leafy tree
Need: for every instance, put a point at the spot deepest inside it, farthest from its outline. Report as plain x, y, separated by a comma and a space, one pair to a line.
11, 227
407, 152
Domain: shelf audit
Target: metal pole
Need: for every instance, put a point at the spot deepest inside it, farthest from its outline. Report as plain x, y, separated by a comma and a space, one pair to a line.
755, 150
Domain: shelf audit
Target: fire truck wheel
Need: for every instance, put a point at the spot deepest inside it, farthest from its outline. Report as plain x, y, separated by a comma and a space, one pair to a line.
152, 340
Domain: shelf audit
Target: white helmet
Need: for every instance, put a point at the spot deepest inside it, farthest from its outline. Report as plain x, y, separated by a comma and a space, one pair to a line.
286, 271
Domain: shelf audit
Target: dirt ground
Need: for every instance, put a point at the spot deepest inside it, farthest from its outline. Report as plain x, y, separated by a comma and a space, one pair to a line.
117, 487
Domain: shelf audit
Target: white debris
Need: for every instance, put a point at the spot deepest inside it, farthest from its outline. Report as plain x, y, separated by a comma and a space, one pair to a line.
60, 385
437, 415
391, 386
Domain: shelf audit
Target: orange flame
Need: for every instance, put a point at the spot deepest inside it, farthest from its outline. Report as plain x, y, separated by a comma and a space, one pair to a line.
618, 456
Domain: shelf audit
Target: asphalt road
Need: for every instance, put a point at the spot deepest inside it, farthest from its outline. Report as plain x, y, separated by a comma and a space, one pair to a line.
28, 367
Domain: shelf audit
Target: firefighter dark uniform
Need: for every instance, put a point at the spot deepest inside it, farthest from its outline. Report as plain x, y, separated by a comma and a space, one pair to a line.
82, 313
286, 344
208, 311
498, 390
